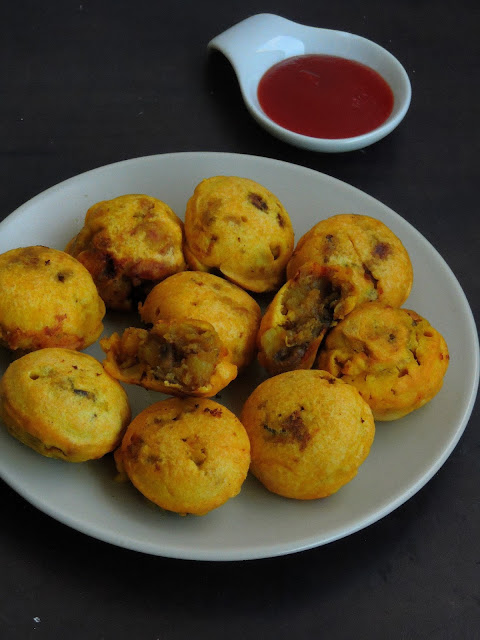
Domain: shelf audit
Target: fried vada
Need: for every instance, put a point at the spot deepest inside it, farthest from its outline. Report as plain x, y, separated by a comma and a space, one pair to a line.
309, 433
380, 265
238, 227
233, 312
62, 404
186, 455
394, 357
129, 244
301, 312
176, 357
48, 299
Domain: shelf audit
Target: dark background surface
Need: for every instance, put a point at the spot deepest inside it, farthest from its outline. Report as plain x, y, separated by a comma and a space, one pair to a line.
87, 83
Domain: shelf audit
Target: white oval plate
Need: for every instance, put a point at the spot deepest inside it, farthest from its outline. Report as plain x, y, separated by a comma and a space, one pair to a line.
255, 524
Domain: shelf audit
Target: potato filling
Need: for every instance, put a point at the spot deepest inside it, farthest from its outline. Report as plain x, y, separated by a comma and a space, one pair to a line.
308, 306
184, 354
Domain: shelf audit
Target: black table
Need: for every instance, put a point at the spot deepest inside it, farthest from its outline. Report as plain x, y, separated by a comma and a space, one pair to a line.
89, 83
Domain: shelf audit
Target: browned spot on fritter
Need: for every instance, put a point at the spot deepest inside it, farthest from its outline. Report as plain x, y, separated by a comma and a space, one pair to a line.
146, 205
257, 201
213, 240
234, 219
208, 216
328, 247
215, 412
134, 448
155, 461
292, 429
208, 219
84, 394
382, 250
64, 275
295, 426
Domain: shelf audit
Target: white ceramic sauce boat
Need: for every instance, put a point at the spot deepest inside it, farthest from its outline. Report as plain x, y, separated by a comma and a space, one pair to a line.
255, 44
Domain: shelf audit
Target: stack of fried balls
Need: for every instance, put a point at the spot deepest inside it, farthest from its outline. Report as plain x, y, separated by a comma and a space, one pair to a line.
338, 350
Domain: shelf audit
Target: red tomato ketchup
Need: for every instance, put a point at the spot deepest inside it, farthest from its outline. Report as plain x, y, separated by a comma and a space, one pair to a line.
325, 96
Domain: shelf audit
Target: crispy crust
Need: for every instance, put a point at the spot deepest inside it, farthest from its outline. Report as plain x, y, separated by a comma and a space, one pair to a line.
237, 226
309, 433
48, 299
186, 455
394, 357
62, 404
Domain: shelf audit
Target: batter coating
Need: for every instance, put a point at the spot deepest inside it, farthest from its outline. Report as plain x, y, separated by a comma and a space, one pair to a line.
301, 312
394, 357
309, 433
237, 226
129, 244
48, 299
186, 455
204, 296
178, 357
380, 264
62, 404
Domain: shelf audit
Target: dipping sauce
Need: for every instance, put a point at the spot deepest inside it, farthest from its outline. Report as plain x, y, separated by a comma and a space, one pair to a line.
325, 96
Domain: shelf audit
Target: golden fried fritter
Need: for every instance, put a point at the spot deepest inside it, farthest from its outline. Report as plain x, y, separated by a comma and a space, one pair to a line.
204, 296
177, 357
237, 226
309, 433
301, 312
394, 357
379, 262
129, 244
47, 299
62, 404
186, 455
